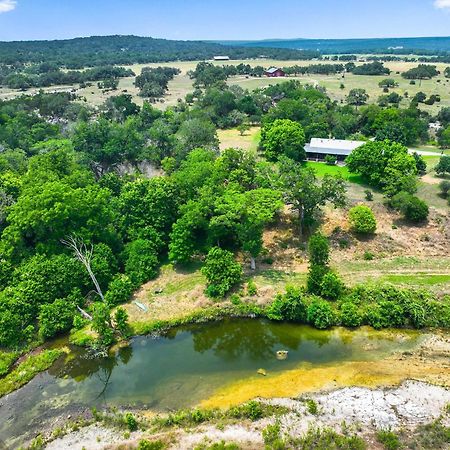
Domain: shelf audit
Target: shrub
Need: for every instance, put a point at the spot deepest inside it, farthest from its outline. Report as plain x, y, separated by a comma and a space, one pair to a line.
121, 320
119, 290
289, 306
413, 209
56, 317
368, 256
331, 286
222, 272
389, 440
315, 278
444, 187
350, 315
320, 314
272, 437
362, 220
142, 261
319, 250
131, 422
251, 410
144, 444
101, 323
330, 160
251, 288
368, 195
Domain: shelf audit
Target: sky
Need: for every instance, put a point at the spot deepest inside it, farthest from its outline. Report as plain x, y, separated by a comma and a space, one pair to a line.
223, 19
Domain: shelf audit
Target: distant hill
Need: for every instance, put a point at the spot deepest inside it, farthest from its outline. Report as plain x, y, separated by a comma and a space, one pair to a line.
101, 50
424, 45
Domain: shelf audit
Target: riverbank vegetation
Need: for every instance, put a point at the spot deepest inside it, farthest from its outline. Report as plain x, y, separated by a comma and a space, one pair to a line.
94, 201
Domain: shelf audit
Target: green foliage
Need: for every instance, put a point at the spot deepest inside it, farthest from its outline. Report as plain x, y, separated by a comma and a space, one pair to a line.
350, 315
412, 208
362, 220
289, 306
443, 167
319, 250
121, 321
101, 323
222, 445
320, 314
141, 261
56, 317
331, 286
252, 290
368, 195
383, 164
28, 369
327, 439
330, 160
283, 137
119, 291
388, 439
131, 422
315, 277
311, 406
272, 437
251, 410
357, 97
222, 272
144, 444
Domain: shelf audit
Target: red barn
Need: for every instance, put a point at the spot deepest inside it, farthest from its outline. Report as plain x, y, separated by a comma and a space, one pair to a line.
274, 72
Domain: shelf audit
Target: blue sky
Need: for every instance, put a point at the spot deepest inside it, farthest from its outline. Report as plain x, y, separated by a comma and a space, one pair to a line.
223, 19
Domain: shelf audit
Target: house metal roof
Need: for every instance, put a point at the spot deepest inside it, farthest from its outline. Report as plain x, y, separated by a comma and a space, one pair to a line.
332, 146
272, 70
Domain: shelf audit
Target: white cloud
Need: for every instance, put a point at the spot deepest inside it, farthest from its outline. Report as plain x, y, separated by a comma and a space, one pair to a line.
7, 5
442, 4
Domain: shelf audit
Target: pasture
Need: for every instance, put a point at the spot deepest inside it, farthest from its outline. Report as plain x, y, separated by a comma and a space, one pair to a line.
182, 84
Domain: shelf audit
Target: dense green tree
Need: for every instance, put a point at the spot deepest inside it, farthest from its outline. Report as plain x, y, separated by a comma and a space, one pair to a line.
283, 137
443, 167
222, 272
357, 97
303, 191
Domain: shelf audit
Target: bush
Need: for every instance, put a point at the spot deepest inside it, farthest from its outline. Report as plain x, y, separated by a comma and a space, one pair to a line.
150, 445
444, 187
368, 256
389, 440
330, 160
332, 286
315, 278
319, 250
121, 320
56, 317
368, 195
412, 208
320, 314
222, 272
119, 290
101, 323
131, 422
289, 306
362, 220
251, 288
350, 315
142, 261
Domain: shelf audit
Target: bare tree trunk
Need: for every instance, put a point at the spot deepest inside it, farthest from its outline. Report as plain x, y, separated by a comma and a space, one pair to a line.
252, 263
84, 313
84, 255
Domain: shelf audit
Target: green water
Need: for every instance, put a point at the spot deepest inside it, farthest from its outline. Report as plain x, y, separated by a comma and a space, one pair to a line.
184, 367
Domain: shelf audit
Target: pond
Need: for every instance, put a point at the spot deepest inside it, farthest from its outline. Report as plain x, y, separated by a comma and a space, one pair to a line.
184, 367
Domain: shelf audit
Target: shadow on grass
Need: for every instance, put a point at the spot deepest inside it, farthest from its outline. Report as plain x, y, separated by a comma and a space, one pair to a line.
273, 275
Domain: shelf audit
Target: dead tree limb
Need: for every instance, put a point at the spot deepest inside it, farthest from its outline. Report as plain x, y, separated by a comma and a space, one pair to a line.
84, 255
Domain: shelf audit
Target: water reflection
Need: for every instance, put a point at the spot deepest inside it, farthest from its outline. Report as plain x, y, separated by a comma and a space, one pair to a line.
183, 367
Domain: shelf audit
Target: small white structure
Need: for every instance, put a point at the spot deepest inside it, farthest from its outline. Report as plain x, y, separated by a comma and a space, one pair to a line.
221, 58
318, 148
